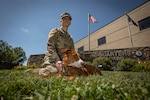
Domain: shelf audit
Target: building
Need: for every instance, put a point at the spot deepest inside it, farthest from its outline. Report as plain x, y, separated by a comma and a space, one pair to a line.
124, 32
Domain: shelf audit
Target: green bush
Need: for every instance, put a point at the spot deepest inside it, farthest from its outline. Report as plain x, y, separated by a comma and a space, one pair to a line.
142, 67
25, 67
126, 64
138, 67
147, 66
32, 66
20, 67
104, 61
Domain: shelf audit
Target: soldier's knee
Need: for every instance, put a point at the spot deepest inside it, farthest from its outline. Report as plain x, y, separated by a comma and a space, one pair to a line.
52, 69
42, 71
48, 70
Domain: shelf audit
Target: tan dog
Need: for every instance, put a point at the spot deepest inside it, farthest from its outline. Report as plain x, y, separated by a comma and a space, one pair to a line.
71, 58
75, 66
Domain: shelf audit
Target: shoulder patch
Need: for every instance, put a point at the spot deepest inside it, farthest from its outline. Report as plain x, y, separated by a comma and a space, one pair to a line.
54, 30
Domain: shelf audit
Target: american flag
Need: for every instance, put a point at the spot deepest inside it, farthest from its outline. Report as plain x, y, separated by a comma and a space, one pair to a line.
92, 19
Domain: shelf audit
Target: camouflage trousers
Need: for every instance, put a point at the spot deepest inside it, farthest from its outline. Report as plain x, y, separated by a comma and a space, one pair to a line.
48, 70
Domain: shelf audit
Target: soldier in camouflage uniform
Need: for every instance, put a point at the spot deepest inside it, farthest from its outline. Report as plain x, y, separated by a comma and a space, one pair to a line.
58, 39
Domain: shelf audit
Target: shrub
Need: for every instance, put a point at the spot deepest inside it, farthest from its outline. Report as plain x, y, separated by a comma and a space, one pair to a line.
104, 61
126, 64
25, 67
20, 67
142, 67
32, 66
147, 66
139, 67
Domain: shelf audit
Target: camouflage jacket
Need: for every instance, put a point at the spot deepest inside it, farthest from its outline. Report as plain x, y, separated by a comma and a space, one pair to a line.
57, 40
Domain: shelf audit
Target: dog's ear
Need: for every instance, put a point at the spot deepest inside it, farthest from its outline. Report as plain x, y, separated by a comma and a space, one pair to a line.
65, 50
74, 52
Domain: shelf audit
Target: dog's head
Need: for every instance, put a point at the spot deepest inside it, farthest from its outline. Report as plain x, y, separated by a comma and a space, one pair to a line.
71, 58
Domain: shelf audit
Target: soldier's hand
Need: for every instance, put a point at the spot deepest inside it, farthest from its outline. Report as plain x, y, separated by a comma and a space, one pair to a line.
59, 66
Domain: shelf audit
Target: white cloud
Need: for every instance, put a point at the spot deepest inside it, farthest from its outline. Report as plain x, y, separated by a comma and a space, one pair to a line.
24, 30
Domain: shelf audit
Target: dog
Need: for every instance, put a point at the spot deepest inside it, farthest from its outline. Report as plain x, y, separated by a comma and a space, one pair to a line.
72, 63
75, 66
71, 58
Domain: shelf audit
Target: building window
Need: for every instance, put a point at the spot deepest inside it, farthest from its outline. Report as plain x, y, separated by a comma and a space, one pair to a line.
102, 41
144, 23
81, 49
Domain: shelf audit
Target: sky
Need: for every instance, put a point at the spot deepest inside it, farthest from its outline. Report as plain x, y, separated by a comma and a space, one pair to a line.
26, 23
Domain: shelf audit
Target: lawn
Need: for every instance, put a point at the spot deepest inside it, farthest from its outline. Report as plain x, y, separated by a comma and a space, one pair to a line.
113, 85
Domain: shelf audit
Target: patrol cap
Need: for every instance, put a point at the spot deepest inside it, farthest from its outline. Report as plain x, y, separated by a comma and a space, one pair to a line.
65, 15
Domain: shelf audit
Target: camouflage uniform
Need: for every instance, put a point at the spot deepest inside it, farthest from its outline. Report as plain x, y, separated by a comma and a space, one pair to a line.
57, 40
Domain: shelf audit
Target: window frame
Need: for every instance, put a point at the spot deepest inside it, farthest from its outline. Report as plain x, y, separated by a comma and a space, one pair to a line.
101, 41
144, 22
80, 49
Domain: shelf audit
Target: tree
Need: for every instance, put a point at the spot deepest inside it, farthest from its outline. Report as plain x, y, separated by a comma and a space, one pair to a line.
10, 57
19, 56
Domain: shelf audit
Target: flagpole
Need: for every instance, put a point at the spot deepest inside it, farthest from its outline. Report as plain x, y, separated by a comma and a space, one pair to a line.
129, 31
89, 30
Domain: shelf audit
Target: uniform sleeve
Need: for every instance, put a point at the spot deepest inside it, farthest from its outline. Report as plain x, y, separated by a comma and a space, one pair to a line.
51, 46
72, 43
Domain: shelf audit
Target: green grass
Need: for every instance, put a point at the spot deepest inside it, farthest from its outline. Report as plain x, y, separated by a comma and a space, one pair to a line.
18, 85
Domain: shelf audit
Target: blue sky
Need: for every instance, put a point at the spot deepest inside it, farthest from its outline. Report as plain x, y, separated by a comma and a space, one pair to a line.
26, 23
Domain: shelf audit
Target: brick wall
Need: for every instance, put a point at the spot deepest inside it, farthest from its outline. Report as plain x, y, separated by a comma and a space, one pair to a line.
36, 59
141, 53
